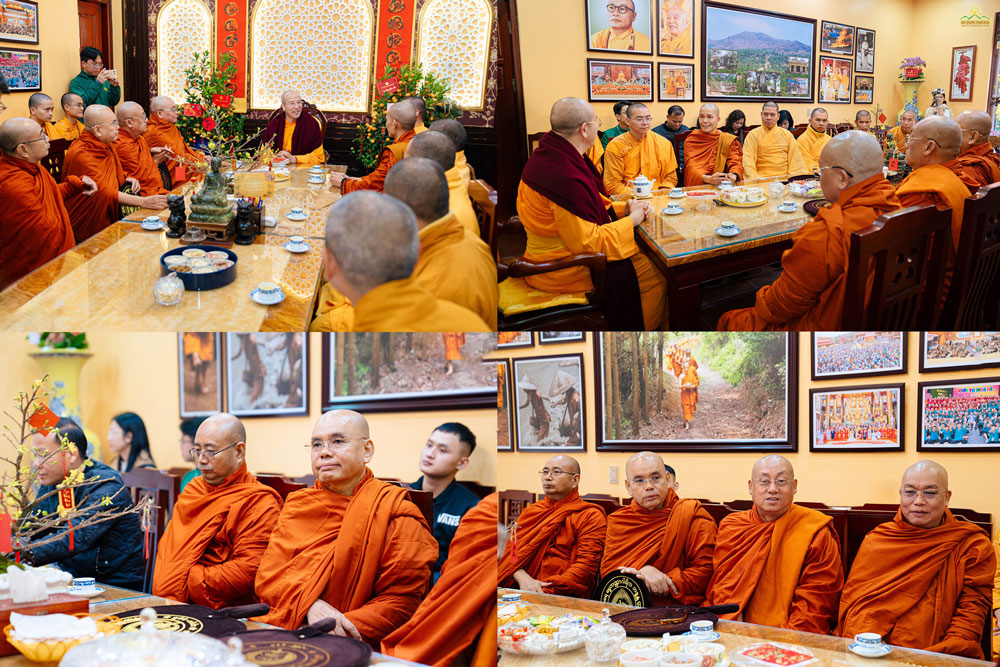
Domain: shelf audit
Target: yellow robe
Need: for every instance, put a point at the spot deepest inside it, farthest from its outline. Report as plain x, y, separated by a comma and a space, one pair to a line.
66, 128
596, 155
630, 40
900, 138
463, 168
811, 145
460, 203
625, 159
768, 153
316, 157
680, 45
403, 305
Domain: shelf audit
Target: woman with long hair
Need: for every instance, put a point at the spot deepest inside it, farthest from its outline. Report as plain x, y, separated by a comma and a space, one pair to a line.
736, 124
127, 439
785, 120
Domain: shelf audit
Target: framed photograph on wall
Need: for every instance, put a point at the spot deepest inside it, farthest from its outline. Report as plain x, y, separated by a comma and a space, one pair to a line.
857, 419
22, 68
267, 374
963, 66
958, 350
864, 51
19, 21
836, 38
199, 369
676, 28
505, 416
864, 89
711, 391
550, 337
511, 339
550, 408
620, 26
959, 416
834, 80
613, 80
852, 354
676, 82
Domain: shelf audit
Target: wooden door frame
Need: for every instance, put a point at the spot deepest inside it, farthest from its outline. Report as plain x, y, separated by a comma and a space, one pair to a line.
993, 95
510, 110
135, 50
108, 48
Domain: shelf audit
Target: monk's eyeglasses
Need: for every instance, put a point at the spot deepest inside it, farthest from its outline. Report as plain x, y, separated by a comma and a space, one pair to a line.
197, 452
334, 445
822, 169
780, 483
545, 472
599, 122
927, 494
619, 9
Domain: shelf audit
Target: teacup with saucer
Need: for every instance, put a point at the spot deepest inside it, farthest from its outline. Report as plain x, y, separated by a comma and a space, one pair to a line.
673, 209
267, 293
297, 244
727, 228
788, 207
297, 213
152, 223
869, 645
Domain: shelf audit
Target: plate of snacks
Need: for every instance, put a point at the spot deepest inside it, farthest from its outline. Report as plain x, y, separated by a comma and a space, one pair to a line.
810, 189
543, 635
743, 197
773, 654
200, 267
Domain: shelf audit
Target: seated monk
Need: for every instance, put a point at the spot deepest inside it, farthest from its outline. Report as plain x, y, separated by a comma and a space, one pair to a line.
70, 125
639, 152
923, 580
220, 526
454, 130
809, 293
770, 150
812, 141
33, 214
162, 131
565, 210
779, 561
977, 165
557, 544
40, 108
351, 547
460, 606
438, 147
137, 158
710, 155
372, 247
901, 133
863, 121
92, 155
399, 122
419, 108
294, 137
660, 538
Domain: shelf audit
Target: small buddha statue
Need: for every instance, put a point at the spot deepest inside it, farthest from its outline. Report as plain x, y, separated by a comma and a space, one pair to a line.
209, 204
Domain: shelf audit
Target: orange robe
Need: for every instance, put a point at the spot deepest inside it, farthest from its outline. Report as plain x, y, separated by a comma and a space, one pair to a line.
66, 128
161, 133
34, 222
785, 573
376, 180
368, 555
557, 541
214, 542
809, 293
459, 202
677, 539
707, 154
924, 588
689, 395
403, 305
453, 342
88, 156
975, 168
625, 159
457, 609
138, 163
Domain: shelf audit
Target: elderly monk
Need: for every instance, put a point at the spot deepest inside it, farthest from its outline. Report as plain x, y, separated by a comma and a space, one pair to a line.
779, 561
34, 222
770, 150
70, 125
452, 129
372, 247
351, 547
295, 137
812, 141
221, 524
621, 36
977, 165
863, 121
565, 210
399, 123
162, 131
809, 293
923, 580
137, 158
92, 155
438, 147
901, 133
711, 156
639, 152
40, 109
557, 543
676, 36
420, 109
662, 539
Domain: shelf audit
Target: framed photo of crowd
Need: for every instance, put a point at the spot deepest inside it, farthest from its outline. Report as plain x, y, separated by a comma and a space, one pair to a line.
552, 337
549, 409
959, 416
834, 80
836, 38
267, 374
838, 355
199, 369
864, 89
505, 417
19, 21
864, 51
676, 28
620, 26
673, 405
857, 419
676, 82
22, 68
958, 350
613, 80
512, 339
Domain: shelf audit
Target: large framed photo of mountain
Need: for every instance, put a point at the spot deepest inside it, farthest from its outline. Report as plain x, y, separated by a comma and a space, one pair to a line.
754, 55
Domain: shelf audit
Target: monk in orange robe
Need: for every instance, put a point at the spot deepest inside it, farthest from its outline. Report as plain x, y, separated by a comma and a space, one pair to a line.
70, 126
351, 547
977, 164
779, 561
137, 158
296, 136
923, 580
689, 394
457, 611
162, 131
557, 542
92, 155
710, 155
220, 526
399, 122
809, 293
660, 538
438, 147
34, 222
639, 152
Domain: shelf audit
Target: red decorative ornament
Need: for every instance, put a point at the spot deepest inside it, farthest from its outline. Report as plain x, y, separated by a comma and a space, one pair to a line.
222, 101
208, 124
194, 110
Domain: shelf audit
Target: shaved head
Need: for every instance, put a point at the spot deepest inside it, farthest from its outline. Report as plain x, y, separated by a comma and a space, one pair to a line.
934, 140
924, 494
224, 436
349, 419
772, 486
419, 106
560, 477
228, 425
452, 129
862, 114
909, 113
927, 467
708, 106
289, 94
645, 457
648, 480
433, 145
769, 105
858, 152
97, 114
420, 183
68, 99
635, 108
773, 462
40, 108
128, 110
161, 102
403, 114
37, 100
341, 448
568, 114
816, 111
15, 131
975, 121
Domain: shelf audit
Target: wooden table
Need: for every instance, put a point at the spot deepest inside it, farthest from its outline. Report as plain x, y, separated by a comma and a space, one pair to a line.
106, 282
830, 651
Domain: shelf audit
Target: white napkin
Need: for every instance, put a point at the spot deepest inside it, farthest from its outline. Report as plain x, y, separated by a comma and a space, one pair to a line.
52, 626
27, 585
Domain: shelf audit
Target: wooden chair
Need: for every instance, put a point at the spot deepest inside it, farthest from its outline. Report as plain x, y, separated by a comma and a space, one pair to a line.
533, 140
750, 127
279, 483
904, 253
53, 162
180, 472
971, 304
484, 203
308, 480
843, 127
480, 490
678, 141
163, 489
798, 130
607, 503
512, 503
424, 500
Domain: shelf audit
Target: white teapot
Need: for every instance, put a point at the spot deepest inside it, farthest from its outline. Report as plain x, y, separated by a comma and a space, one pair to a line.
641, 187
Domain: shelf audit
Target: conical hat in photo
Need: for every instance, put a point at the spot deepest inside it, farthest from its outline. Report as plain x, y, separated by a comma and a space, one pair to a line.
562, 382
526, 384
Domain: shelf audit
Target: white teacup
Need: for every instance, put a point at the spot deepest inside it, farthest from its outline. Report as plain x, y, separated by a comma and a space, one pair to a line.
267, 288
152, 219
868, 641
726, 185
316, 178
298, 212
676, 192
726, 225
297, 240
673, 208
705, 628
84, 585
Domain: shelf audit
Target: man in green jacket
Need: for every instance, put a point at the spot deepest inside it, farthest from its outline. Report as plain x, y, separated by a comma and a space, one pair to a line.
95, 84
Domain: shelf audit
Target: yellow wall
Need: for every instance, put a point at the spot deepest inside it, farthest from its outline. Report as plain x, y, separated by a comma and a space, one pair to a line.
828, 477
138, 372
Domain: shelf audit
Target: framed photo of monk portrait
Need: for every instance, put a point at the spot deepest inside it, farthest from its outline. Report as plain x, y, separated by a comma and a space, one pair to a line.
19, 21
676, 28
392, 372
505, 416
676, 82
613, 80
959, 416
696, 391
864, 51
199, 369
836, 38
857, 419
549, 405
852, 354
267, 374
621, 26
958, 350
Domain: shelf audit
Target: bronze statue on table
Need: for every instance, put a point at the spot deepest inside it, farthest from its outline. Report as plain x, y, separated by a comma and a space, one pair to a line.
246, 229
210, 204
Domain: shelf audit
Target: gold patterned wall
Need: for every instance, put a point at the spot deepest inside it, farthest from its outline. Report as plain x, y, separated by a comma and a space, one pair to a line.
183, 28
453, 42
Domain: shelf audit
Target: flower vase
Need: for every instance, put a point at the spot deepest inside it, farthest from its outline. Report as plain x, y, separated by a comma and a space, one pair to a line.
63, 368
910, 96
